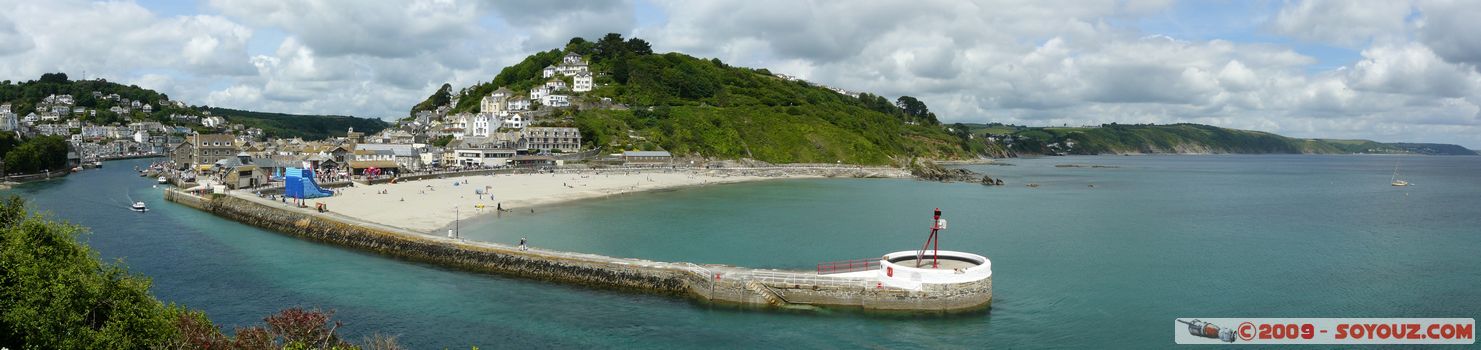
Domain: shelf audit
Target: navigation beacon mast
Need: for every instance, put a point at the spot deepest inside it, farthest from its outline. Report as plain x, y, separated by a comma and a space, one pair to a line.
933, 242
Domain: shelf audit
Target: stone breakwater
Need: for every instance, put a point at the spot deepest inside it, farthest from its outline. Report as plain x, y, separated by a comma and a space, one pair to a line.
712, 283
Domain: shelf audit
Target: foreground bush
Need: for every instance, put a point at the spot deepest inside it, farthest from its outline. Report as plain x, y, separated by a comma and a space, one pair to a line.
55, 294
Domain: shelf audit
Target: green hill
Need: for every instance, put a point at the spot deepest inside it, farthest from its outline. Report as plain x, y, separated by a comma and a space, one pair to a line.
309, 127
693, 106
95, 95
25, 96
1188, 138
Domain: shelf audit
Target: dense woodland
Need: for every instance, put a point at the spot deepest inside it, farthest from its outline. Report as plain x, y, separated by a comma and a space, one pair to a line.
36, 155
315, 127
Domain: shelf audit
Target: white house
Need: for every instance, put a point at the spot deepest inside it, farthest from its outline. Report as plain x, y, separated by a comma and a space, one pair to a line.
582, 82
483, 124
538, 93
558, 100
483, 157
572, 59
573, 70
513, 121
549, 72
555, 85
519, 104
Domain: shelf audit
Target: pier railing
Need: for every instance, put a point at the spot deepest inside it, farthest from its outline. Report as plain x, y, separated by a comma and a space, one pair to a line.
855, 265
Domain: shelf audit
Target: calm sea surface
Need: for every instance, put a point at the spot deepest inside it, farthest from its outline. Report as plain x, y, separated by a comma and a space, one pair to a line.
1156, 238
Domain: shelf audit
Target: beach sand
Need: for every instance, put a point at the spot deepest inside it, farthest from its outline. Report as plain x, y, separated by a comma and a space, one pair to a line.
427, 205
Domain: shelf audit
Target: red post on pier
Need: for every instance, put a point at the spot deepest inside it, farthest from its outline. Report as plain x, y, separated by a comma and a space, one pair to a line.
933, 242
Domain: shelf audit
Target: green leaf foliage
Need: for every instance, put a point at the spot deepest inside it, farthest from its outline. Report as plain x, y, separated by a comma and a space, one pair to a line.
54, 294
36, 155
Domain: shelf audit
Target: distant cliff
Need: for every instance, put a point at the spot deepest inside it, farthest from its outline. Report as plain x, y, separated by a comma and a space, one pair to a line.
1185, 139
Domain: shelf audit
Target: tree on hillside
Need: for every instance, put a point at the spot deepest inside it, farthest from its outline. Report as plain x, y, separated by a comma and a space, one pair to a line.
442, 97
609, 47
37, 155
912, 106
54, 78
639, 47
580, 46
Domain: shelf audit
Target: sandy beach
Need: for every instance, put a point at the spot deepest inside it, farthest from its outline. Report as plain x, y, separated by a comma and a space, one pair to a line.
427, 205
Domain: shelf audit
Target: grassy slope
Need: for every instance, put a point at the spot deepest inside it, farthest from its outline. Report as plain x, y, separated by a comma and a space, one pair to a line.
692, 106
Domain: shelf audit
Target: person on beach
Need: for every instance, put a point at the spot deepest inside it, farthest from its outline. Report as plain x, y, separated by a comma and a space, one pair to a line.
522, 246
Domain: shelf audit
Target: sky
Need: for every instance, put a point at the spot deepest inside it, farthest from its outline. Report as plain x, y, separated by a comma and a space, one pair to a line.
1388, 70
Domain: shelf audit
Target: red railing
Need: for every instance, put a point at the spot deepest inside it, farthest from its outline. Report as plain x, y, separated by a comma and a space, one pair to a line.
847, 266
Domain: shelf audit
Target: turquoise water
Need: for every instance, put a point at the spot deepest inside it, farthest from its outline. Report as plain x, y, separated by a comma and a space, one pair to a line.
1074, 266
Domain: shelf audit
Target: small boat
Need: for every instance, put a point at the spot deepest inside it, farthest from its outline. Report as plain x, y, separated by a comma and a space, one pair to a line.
1394, 180
163, 180
139, 207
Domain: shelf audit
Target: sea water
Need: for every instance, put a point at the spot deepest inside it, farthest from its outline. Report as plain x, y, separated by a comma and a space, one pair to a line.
1092, 257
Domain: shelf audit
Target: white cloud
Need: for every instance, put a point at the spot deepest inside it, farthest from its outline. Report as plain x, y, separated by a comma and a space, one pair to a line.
1449, 27
1412, 69
1343, 22
548, 24
115, 39
372, 28
1414, 76
12, 41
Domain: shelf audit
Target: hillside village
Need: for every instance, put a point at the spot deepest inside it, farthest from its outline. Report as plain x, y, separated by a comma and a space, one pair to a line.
61, 115
508, 130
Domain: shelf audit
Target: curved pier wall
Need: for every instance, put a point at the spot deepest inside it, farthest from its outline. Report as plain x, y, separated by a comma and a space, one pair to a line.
633, 275
715, 283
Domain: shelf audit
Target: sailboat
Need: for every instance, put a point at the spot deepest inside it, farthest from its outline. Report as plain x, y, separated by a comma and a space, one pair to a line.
1394, 180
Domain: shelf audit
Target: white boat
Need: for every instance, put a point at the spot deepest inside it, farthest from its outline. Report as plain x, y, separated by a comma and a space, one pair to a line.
163, 180
1394, 180
139, 207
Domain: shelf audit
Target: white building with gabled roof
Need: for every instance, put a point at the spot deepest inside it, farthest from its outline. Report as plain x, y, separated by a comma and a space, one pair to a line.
513, 121
495, 102
582, 82
519, 104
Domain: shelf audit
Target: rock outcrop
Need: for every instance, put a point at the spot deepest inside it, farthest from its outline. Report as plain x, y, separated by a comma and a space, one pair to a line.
928, 170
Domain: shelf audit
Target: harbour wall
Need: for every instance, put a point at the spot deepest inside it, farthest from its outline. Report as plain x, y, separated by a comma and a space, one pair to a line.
720, 284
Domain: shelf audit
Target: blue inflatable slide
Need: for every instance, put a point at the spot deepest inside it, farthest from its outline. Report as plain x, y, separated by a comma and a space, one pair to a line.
299, 183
